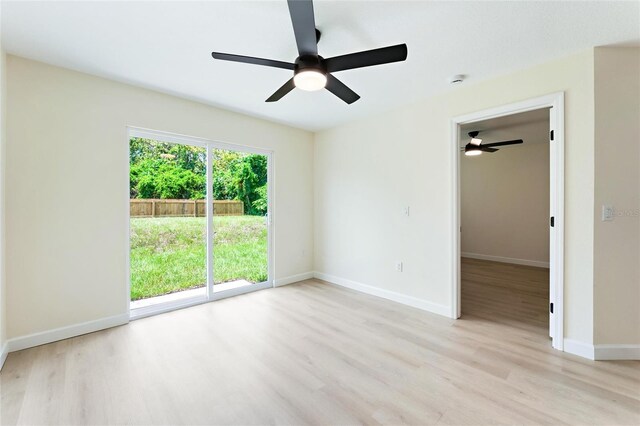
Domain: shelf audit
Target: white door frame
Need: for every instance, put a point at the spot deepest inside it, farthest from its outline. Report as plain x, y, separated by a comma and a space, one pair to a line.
554, 101
211, 295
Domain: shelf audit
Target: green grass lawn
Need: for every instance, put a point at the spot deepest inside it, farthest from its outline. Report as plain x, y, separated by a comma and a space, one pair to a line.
169, 254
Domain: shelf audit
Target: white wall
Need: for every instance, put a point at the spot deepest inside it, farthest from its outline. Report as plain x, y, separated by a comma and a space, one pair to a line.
67, 189
367, 171
67, 145
504, 201
617, 174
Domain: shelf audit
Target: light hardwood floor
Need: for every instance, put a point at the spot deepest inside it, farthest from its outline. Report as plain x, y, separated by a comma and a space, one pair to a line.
313, 353
513, 295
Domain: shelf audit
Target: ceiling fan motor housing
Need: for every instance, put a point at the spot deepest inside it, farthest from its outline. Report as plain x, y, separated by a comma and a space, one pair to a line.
308, 63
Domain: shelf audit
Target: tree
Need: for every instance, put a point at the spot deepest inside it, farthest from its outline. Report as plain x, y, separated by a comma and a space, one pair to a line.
252, 176
164, 170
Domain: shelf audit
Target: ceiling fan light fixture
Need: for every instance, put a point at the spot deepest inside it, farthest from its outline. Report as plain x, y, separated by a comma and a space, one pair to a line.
310, 80
476, 141
471, 150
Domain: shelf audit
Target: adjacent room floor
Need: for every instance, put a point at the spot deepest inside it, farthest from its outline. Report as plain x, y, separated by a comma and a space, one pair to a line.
513, 295
314, 353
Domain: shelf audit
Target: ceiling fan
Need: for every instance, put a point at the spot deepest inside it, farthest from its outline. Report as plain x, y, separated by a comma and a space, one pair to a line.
311, 71
476, 147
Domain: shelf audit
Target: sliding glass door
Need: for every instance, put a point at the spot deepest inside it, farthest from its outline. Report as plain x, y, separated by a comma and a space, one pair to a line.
199, 221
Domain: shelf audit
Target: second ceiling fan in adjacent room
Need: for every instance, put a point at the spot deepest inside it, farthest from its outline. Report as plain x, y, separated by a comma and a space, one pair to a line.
476, 147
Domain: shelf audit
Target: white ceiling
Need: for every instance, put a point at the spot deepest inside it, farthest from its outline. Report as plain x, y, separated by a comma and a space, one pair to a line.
166, 46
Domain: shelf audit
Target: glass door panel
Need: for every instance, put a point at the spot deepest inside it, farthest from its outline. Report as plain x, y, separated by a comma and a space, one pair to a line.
168, 227
240, 220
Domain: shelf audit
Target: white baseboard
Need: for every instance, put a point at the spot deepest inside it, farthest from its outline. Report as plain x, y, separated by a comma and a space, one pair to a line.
574, 347
619, 352
4, 351
515, 261
387, 294
607, 352
292, 279
44, 337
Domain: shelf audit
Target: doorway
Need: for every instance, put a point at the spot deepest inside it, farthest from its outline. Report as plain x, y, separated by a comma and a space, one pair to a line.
483, 268
199, 216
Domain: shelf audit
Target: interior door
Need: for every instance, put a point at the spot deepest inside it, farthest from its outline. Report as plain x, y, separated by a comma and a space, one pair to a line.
552, 229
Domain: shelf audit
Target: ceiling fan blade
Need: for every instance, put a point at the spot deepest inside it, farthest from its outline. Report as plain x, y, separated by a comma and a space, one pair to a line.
286, 88
304, 26
485, 149
513, 142
339, 89
368, 58
252, 60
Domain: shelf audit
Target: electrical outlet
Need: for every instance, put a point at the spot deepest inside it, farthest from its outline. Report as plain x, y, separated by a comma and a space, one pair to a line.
398, 266
608, 213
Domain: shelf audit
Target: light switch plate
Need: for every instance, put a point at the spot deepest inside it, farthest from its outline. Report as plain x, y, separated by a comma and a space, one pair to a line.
608, 213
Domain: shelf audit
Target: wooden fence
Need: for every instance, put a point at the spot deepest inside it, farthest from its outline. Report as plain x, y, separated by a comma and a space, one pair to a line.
183, 208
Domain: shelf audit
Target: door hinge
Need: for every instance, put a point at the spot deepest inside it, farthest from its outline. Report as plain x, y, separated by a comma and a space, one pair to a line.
551, 307
552, 221
551, 135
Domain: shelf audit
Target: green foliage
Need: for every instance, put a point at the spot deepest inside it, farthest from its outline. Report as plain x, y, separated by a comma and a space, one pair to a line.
251, 177
165, 170
260, 203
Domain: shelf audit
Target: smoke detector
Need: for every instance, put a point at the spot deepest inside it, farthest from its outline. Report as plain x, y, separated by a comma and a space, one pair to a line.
456, 79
